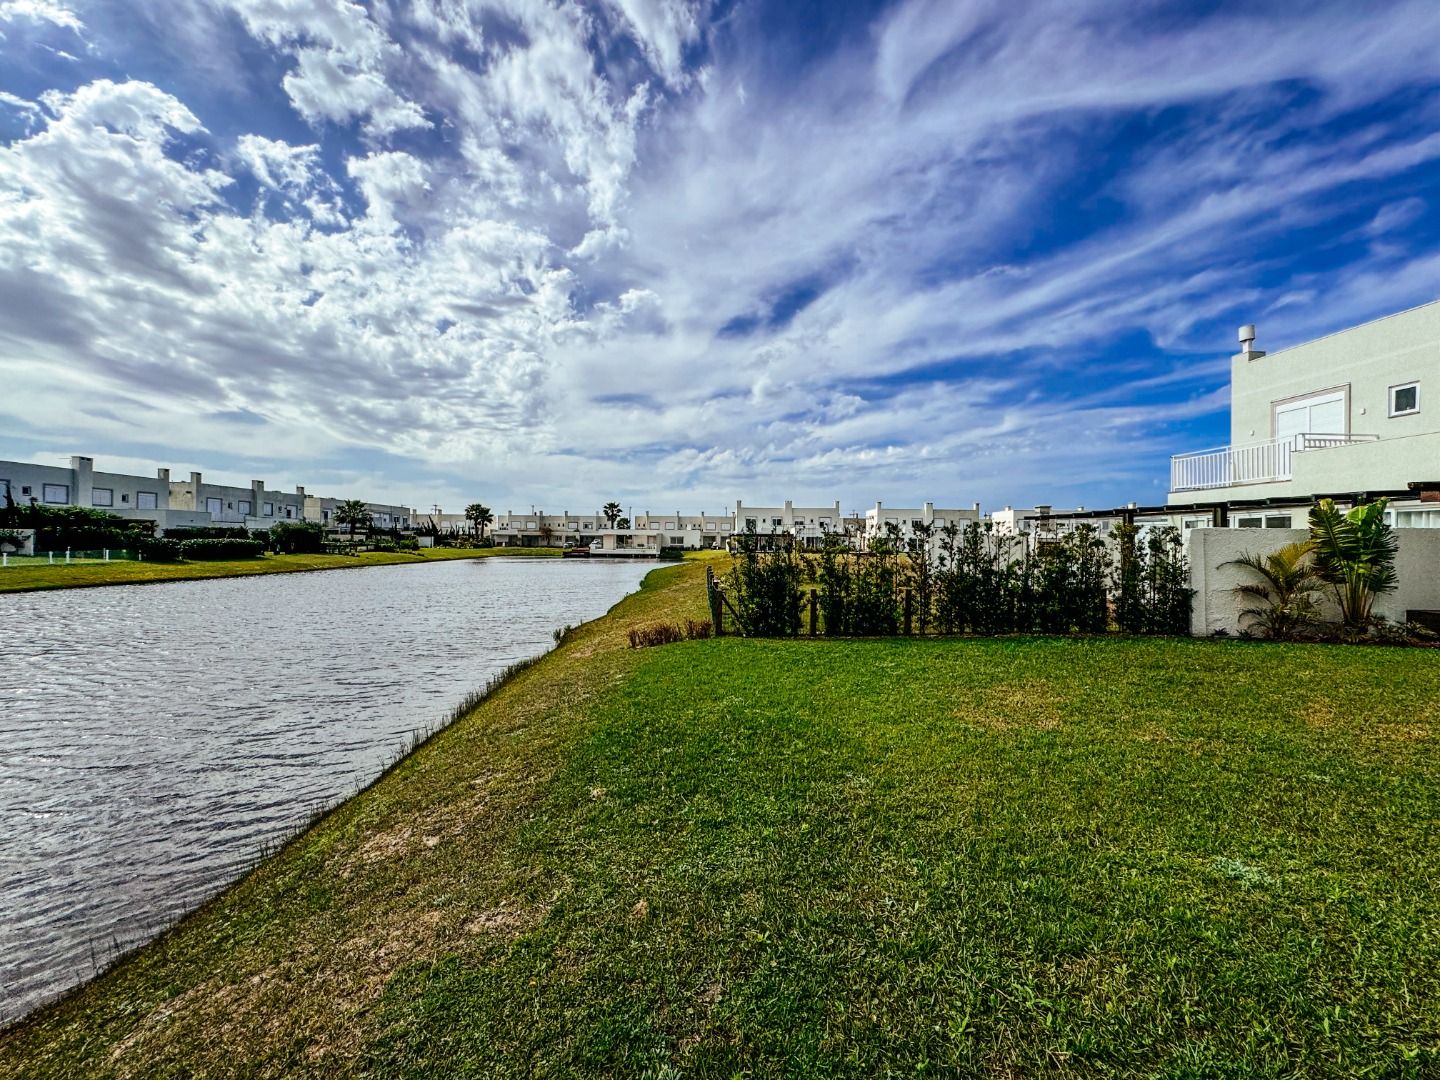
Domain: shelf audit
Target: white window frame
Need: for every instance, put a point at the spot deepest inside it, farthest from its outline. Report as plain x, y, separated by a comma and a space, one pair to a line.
46, 489
97, 493
1390, 398
141, 496
1317, 397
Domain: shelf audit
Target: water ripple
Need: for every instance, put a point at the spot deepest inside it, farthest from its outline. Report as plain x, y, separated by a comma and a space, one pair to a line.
157, 737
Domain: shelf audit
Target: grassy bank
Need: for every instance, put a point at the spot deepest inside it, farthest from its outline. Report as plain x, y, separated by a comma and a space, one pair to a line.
41, 575
917, 857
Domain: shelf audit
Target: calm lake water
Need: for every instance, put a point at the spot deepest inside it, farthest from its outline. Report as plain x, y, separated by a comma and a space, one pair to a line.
153, 738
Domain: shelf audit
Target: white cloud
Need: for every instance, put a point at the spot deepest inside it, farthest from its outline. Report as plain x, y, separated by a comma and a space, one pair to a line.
41, 11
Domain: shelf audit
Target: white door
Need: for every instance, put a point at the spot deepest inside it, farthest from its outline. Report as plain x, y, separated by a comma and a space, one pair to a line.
216, 507
1323, 414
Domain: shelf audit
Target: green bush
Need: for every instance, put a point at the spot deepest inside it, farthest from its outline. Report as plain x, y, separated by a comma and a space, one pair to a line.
207, 532
766, 584
295, 537
158, 549
217, 549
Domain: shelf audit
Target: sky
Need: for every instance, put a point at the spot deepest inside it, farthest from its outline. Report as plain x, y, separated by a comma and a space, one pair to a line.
677, 253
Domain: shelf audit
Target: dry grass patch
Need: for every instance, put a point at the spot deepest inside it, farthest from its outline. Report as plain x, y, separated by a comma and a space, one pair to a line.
1032, 704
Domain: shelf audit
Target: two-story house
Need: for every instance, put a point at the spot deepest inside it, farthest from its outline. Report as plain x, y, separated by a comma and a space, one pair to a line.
1348, 416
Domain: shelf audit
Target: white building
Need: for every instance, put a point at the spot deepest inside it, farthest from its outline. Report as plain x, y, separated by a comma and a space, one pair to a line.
1347, 415
383, 516
539, 529
253, 507
809, 525
694, 532
145, 497
880, 519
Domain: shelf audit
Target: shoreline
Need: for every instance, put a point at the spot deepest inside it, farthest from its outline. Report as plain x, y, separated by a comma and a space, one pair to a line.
93, 575
318, 817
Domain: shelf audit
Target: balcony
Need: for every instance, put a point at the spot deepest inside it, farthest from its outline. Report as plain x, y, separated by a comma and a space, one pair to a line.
1258, 463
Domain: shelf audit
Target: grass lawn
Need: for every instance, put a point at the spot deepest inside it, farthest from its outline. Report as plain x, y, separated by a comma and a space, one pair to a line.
35, 574
720, 858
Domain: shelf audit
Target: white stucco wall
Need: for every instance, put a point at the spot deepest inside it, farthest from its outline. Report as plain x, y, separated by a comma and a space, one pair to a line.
1363, 360
1217, 606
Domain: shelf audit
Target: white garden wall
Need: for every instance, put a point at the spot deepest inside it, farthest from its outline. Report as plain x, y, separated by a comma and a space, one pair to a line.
1217, 607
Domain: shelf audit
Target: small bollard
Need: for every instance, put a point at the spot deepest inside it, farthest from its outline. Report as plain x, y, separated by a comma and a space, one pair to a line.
4, 558
67, 556
52, 558
106, 552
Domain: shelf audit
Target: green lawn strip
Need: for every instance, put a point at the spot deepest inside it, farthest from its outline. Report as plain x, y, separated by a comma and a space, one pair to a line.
1005, 857
40, 575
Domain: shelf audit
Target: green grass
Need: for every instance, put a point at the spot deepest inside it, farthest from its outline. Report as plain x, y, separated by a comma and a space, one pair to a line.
1019, 857
39, 574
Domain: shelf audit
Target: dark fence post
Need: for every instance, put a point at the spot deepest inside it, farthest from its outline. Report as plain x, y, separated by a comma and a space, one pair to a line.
712, 594
813, 607
909, 610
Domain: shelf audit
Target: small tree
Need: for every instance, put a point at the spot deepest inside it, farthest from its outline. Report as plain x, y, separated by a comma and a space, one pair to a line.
1355, 555
1283, 600
766, 585
353, 513
479, 516
621, 523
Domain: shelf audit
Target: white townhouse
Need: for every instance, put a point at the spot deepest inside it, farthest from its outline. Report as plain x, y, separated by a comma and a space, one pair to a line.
384, 516
1353, 415
879, 519
121, 494
253, 507
808, 524
694, 532
539, 529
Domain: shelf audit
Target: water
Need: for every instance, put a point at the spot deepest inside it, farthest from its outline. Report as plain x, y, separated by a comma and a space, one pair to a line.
153, 738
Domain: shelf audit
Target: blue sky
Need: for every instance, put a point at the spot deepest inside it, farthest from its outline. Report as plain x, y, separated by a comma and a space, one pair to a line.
676, 252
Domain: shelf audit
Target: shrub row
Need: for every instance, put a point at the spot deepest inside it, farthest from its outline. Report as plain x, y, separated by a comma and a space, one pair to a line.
975, 580
212, 550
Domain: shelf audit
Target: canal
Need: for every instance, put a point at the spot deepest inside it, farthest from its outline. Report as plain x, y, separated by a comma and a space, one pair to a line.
154, 739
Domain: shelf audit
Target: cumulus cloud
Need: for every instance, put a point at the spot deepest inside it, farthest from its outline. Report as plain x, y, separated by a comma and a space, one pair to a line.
47, 11
958, 252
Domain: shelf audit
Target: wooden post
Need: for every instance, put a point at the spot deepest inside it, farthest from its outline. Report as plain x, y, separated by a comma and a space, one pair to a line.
909, 610
712, 594
813, 612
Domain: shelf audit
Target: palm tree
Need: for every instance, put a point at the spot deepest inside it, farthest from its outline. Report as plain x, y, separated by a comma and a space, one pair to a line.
1284, 597
1355, 554
479, 516
612, 512
354, 513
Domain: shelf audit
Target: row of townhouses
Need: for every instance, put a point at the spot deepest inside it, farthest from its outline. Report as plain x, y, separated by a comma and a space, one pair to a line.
175, 503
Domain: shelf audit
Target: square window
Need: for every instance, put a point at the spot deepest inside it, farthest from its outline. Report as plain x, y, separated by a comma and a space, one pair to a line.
269, 509
244, 506
25, 490
55, 493
1405, 399
102, 497
145, 500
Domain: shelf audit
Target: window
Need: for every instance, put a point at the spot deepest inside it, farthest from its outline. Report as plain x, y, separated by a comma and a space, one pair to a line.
55, 493
530, 525
916, 523
214, 507
589, 524
269, 509
669, 524
25, 490
1404, 399
145, 500
1318, 414
777, 522
1277, 521
1252, 522
1197, 522
750, 523
709, 526
677, 541
4, 489
290, 512
246, 506
102, 496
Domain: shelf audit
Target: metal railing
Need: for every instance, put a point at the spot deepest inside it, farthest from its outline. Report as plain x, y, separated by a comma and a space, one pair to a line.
1258, 463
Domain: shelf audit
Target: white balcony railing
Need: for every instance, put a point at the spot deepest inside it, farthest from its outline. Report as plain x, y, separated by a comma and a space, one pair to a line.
1258, 463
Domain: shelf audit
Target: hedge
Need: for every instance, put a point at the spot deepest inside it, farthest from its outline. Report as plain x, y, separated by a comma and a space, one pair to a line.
221, 549
153, 549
